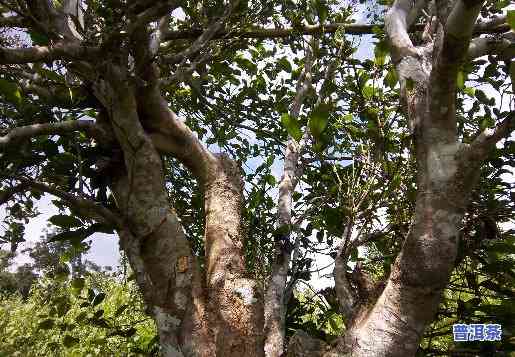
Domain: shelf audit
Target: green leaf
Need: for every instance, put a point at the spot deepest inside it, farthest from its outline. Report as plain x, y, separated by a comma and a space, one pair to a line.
368, 92
68, 236
10, 91
292, 126
46, 324
78, 283
460, 80
380, 52
284, 65
481, 96
65, 221
91, 295
270, 179
410, 84
281, 231
319, 119
391, 78
38, 38
102, 228
98, 314
69, 341
471, 92
52, 75
347, 118
510, 18
120, 310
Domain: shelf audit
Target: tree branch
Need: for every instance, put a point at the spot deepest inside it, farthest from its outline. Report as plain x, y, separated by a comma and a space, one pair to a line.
85, 207
152, 14
486, 141
345, 293
8, 193
494, 23
397, 22
28, 131
59, 51
459, 29
12, 21
502, 45
263, 33
207, 35
169, 135
275, 296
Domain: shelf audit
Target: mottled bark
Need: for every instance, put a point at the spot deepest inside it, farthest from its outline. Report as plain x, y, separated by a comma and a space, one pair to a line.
395, 323
276, 298
235, 300
217, 309
153, 238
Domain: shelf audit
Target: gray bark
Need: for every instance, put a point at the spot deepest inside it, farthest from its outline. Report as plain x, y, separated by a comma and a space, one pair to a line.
219, 311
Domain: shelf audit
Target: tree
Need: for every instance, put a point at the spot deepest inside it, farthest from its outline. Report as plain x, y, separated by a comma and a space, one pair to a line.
215, 259
18, 281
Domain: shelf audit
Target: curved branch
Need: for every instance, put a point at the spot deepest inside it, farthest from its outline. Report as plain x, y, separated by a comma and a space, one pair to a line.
59, 51
169, 135
397, 23
85, 207
503, 45
486, 141
28, 131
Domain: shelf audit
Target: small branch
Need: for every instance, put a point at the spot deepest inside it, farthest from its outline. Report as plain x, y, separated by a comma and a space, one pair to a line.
502, 45
348, 29
25, 132
345, 293
12, 21
367, 238
84, 206
264, 33
276, 292
206, 36
59, 95
486, 141
8, 193
59, 51
152, 14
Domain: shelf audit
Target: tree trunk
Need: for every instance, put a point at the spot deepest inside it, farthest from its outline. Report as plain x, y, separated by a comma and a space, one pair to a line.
234, 300
395, 323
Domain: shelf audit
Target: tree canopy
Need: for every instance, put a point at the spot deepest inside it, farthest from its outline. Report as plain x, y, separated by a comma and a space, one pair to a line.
232, 146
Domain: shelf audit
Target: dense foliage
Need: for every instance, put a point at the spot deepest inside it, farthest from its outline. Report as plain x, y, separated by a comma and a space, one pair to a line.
97, 314
235, 94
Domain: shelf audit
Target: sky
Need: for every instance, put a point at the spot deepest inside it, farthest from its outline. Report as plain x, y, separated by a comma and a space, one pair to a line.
104, 249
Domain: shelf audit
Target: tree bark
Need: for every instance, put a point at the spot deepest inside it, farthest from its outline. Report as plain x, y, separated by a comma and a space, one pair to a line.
235, 300
395, 323
211, 306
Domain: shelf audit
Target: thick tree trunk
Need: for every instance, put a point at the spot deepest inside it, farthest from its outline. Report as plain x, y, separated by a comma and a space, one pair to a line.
235, 301
395, 323
210, 306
